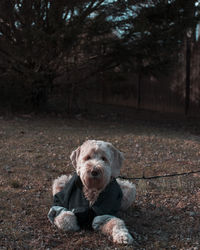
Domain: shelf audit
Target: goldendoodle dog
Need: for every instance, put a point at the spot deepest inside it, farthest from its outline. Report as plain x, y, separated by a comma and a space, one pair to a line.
93, 196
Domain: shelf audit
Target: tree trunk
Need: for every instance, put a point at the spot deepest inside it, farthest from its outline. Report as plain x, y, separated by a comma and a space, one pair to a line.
139, 90
187, 81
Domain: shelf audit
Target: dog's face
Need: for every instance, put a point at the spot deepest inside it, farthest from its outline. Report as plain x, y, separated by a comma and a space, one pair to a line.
96, 162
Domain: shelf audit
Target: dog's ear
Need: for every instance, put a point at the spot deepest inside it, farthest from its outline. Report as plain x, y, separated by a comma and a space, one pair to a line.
74, 156
116, 161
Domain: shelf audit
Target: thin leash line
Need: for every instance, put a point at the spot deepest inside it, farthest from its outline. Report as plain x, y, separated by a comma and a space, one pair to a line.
158, 176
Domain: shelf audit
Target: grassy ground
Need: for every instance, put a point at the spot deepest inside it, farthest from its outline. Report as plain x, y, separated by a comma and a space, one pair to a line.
34, 151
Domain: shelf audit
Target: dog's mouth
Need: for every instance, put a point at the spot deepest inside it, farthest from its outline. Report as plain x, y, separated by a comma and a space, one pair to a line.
94, 179
93, 183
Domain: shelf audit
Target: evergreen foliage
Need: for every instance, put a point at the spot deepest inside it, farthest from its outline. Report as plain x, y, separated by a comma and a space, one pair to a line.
43, 39
154, 33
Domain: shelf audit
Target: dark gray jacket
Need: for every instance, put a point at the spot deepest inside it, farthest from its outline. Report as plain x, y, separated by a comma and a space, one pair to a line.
73, 199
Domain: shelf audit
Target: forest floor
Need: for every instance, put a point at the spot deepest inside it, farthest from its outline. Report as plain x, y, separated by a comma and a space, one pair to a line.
35, 149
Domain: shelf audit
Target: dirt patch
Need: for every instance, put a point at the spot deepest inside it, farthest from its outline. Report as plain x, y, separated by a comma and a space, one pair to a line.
34, 151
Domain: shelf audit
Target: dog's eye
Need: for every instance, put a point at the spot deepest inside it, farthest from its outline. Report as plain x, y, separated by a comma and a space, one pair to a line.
88, 157
104, 158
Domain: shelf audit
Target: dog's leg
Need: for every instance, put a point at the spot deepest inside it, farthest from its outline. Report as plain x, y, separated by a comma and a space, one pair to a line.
114, 228
129, 193
66, 221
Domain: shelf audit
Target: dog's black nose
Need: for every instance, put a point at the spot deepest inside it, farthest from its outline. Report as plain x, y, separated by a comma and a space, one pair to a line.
94, 173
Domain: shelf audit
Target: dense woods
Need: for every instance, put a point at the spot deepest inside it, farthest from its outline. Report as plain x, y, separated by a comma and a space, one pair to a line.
73, 50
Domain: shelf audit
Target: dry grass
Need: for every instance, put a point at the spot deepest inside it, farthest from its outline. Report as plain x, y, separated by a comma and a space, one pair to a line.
34, 151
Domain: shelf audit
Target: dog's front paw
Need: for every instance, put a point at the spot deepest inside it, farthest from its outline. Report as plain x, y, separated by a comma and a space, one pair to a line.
122, 237
67, 221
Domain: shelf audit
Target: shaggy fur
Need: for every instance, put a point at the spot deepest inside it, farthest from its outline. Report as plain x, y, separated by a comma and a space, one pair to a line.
59, 183
96, 163
129, 193
67, 221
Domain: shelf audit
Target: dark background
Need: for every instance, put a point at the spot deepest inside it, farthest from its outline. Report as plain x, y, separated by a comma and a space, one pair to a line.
68, 56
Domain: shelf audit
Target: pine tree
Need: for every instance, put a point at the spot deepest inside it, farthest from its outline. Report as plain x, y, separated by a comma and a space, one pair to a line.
153, 36
43, 39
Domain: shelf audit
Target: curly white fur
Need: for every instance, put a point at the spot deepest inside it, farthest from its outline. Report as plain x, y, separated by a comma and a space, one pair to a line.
129, 193
59, 183
66, 221
113, 227
120, 233
97, 162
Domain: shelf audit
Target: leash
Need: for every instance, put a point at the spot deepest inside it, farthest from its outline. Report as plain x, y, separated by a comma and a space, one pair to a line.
158, 176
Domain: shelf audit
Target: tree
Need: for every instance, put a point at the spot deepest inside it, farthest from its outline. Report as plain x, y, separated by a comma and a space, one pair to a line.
42, 39
192, 12
153, 34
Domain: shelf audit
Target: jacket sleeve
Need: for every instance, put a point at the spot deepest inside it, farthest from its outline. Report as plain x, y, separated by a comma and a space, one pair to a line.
54, 212
62, 197
57, 207
58, 199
